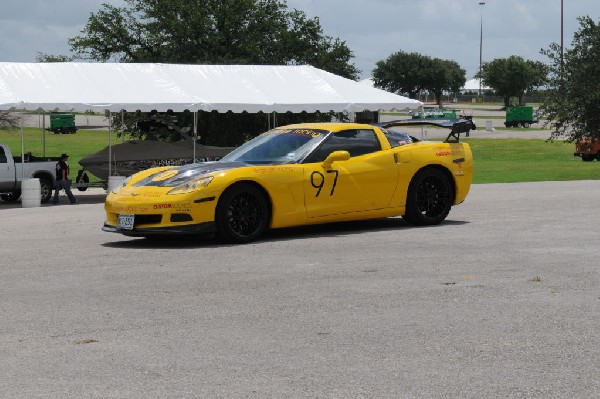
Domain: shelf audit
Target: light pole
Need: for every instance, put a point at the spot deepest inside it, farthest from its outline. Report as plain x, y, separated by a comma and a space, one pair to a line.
562, 45
481, 3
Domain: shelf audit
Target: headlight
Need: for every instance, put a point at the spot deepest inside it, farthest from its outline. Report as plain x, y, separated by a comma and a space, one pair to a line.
126, 181
191, 185
121, 185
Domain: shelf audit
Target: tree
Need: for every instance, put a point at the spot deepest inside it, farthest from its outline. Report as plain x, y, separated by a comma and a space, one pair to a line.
262, 32
512, 76
210, 32
43, 57
573, 97
8, 120
445, 76
409, 73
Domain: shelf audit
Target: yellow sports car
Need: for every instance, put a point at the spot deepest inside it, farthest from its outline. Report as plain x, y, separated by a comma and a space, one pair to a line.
297, 175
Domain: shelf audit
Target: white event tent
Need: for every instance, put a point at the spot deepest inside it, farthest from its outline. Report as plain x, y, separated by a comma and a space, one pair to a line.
116, 87
474, 85
253, 88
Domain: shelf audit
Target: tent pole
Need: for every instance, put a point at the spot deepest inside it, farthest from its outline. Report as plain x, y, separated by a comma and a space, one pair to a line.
422, 108
109, 144
195, 134
22, 149
43, 134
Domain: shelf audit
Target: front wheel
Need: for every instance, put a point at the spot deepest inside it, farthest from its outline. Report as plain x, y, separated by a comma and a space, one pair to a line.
429, 198
11, 197
242, 214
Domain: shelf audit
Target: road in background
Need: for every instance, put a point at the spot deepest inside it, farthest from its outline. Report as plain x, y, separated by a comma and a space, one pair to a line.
483, 115
501, 300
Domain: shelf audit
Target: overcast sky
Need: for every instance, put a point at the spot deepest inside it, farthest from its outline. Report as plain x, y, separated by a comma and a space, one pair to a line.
372, 29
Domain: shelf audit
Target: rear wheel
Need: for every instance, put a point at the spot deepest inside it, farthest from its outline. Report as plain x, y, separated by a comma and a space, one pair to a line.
429, 198
242, 213
525, 125
46, 190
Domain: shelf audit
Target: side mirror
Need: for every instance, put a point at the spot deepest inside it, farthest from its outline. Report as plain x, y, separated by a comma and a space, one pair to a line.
335, 156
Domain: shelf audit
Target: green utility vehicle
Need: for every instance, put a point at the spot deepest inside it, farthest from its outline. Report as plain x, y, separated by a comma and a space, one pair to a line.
520, 116
62, 123
436, 113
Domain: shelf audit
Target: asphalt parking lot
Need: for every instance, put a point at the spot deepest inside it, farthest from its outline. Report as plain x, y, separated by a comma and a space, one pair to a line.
500, 301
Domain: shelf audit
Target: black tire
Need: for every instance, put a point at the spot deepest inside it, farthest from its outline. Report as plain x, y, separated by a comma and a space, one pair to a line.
598, 156
82, 177
429, 199
525, 125
11, 197
46, 188
587, 157
242, 214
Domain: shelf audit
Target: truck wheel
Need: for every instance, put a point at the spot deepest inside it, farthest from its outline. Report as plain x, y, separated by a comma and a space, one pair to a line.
11, 197
525, 125
46, 188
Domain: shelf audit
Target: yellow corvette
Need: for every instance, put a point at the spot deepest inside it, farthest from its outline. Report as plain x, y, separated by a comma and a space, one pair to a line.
297, 175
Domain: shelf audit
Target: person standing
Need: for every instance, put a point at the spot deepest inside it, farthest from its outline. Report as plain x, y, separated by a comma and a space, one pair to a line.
63, 182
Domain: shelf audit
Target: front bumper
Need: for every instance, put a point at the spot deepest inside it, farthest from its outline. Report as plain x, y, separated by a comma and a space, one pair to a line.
207, 227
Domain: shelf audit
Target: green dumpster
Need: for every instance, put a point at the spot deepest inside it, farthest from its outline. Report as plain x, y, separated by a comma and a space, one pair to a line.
62, 123
520, 116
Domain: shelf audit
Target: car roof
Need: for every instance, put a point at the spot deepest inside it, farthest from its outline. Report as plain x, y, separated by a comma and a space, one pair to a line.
331, 126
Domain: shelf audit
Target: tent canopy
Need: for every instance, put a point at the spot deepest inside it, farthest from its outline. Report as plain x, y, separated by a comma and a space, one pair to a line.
80, 87
473, 85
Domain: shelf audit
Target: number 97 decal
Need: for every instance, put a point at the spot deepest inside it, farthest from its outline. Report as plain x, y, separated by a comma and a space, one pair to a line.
317, 180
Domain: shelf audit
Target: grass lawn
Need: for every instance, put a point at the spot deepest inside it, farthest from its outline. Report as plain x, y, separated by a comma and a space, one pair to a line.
496, 160
521, 160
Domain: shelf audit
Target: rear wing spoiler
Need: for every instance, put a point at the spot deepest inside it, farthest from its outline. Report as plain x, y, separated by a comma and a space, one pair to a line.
456, 126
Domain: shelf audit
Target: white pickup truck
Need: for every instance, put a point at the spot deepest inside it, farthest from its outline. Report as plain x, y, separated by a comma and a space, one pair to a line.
12, 171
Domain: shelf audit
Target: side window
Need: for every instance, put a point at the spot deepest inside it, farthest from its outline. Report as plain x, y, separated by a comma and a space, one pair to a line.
355, 141
397, 139
2, 156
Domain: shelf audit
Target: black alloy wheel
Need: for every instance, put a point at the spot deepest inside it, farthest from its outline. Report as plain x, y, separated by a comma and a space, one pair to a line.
429, 199
242, 213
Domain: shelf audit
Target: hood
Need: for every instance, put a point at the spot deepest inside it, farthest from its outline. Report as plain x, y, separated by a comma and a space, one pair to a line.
180, 174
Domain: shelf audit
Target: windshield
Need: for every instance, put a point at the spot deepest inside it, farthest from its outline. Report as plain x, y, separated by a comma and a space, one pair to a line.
277, 146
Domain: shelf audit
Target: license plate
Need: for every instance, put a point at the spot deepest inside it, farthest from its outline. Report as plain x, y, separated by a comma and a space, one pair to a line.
125, 222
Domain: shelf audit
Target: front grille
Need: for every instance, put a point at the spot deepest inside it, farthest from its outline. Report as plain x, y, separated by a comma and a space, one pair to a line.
147, 219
